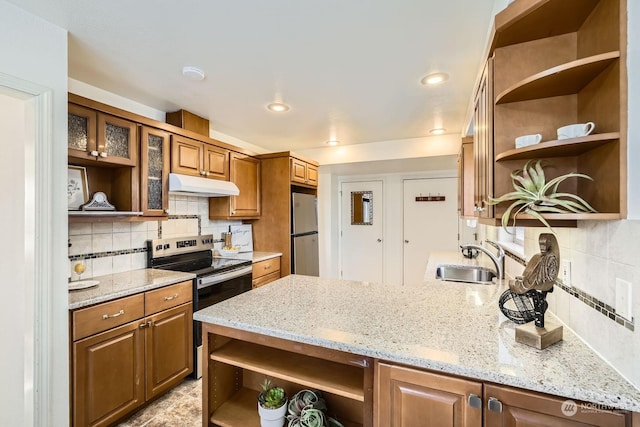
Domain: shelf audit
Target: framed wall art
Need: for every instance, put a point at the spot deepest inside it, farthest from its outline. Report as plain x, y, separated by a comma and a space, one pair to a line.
77, 187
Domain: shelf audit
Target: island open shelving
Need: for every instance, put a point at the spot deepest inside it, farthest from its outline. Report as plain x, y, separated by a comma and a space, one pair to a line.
238, 362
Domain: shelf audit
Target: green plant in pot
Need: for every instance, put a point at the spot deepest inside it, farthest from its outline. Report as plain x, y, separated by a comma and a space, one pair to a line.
534, 196
307, 408
272, 405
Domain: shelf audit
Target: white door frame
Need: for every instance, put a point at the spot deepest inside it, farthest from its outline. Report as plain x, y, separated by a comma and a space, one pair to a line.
340, 212
39, 245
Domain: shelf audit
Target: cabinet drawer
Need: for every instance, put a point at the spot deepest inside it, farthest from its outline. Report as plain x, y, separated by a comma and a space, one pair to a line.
263, 280
265, 267
167, 297
101, 317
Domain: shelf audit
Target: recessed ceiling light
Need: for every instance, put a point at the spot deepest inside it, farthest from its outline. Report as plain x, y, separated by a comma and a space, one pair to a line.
434, 78
193, 73
437, 131
332, 142
278, 107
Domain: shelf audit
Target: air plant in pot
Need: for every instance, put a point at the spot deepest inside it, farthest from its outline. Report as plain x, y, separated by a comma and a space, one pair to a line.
272, 405
534, 196
307, 408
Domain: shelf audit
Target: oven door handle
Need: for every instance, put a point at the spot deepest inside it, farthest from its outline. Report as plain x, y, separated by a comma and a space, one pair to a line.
204, 282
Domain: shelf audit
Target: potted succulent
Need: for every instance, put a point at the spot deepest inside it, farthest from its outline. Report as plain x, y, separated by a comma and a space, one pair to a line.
272, 405
307, 408
534, 196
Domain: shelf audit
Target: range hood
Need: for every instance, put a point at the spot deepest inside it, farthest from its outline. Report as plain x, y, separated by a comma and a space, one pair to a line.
201, 187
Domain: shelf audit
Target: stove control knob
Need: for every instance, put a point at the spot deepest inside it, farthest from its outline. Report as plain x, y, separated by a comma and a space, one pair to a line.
166, 246
158, 247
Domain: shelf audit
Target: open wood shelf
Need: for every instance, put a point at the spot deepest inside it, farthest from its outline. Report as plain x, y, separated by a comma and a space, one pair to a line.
565, 79
332, 377
527, 20
570, 216
242, 411
559, 148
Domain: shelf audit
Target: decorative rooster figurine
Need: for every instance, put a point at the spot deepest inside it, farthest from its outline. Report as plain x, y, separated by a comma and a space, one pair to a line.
539, 276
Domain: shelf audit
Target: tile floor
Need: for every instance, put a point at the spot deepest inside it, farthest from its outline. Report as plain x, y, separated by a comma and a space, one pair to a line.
179, 407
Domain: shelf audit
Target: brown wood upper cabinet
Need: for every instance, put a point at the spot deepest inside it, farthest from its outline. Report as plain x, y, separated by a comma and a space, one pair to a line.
303, 173
191, 157
95, 137
154, 171
245, 173
549, 72
466, 179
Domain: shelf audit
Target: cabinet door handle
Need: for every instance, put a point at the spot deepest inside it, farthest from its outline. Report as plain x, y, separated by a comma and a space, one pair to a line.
494, 405
379, 240
174, 296
146, 325
406, 241
94, 153
166, 211
475, 401
111, 316
207, 173
103, 154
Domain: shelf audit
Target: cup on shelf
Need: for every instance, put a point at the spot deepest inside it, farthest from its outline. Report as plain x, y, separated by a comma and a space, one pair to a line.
576, 131
526, 140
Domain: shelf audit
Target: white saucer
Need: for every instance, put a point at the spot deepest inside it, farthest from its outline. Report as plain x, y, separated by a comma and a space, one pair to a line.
82, 284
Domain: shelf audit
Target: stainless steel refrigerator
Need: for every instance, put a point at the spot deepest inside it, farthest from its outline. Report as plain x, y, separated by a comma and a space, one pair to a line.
304, 234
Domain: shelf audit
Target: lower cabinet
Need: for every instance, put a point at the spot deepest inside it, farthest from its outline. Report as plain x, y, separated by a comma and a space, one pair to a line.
407, 397
128, 351
265, 272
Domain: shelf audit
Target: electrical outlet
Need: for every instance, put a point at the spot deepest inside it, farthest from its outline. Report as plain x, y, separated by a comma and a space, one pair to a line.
565, 272
623, 299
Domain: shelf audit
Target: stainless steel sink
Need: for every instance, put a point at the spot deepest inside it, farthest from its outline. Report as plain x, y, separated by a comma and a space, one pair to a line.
465, 273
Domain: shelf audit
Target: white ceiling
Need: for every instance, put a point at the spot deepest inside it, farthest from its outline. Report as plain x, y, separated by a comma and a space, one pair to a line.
349, 69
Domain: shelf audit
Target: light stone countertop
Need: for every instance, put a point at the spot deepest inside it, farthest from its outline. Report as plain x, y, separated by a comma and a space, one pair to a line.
257, 256
119, 285
450, 327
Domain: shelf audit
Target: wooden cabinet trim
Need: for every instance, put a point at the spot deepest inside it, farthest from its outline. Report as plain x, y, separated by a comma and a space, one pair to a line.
167, 297
267, 278
268, 266
102, 317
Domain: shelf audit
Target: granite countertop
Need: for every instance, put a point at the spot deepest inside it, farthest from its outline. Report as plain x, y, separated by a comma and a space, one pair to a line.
257, 256
443, 326
119, 285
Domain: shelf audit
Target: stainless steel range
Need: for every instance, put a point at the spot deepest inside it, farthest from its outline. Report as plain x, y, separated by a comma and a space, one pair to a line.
217, 279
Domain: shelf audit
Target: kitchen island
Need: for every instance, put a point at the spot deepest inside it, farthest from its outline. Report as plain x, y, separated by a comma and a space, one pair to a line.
450, 328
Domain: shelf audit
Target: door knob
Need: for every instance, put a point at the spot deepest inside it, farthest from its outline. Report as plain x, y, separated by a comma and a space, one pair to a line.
406, 241
379, 240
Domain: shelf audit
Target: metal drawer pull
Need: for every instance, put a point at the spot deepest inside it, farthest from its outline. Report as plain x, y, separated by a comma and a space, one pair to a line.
171, 297
475, 401
494, 405
146, 325
107, 316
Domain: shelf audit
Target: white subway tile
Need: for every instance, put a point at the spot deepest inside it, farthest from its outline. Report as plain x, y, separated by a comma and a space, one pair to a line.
121, 263
102, 227
121, 227
139, 226
624, 242
193, 207
139, 239
182, 207
138, 260
102, 242
151, 226
121, 241
79, 228
81, 244
102, 266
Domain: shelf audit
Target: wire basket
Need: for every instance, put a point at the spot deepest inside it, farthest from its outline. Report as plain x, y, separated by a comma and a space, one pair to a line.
518, 308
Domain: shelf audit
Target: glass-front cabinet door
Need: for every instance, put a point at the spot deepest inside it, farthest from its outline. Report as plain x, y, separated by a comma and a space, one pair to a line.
99, 137
154, 171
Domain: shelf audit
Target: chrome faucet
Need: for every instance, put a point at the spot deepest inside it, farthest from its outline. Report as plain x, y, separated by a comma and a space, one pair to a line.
498, 260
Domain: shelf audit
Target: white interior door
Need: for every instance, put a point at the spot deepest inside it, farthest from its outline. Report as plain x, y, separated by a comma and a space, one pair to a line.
361, 245
428, 225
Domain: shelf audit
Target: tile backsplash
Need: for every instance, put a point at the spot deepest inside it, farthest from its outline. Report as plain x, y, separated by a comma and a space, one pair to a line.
600, 252
114, 247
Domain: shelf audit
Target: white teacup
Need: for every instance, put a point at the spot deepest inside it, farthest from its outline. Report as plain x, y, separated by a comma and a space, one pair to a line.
526, 140
576, 131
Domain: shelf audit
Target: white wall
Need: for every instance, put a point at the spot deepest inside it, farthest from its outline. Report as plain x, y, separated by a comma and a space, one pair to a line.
329, 201
35, 51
